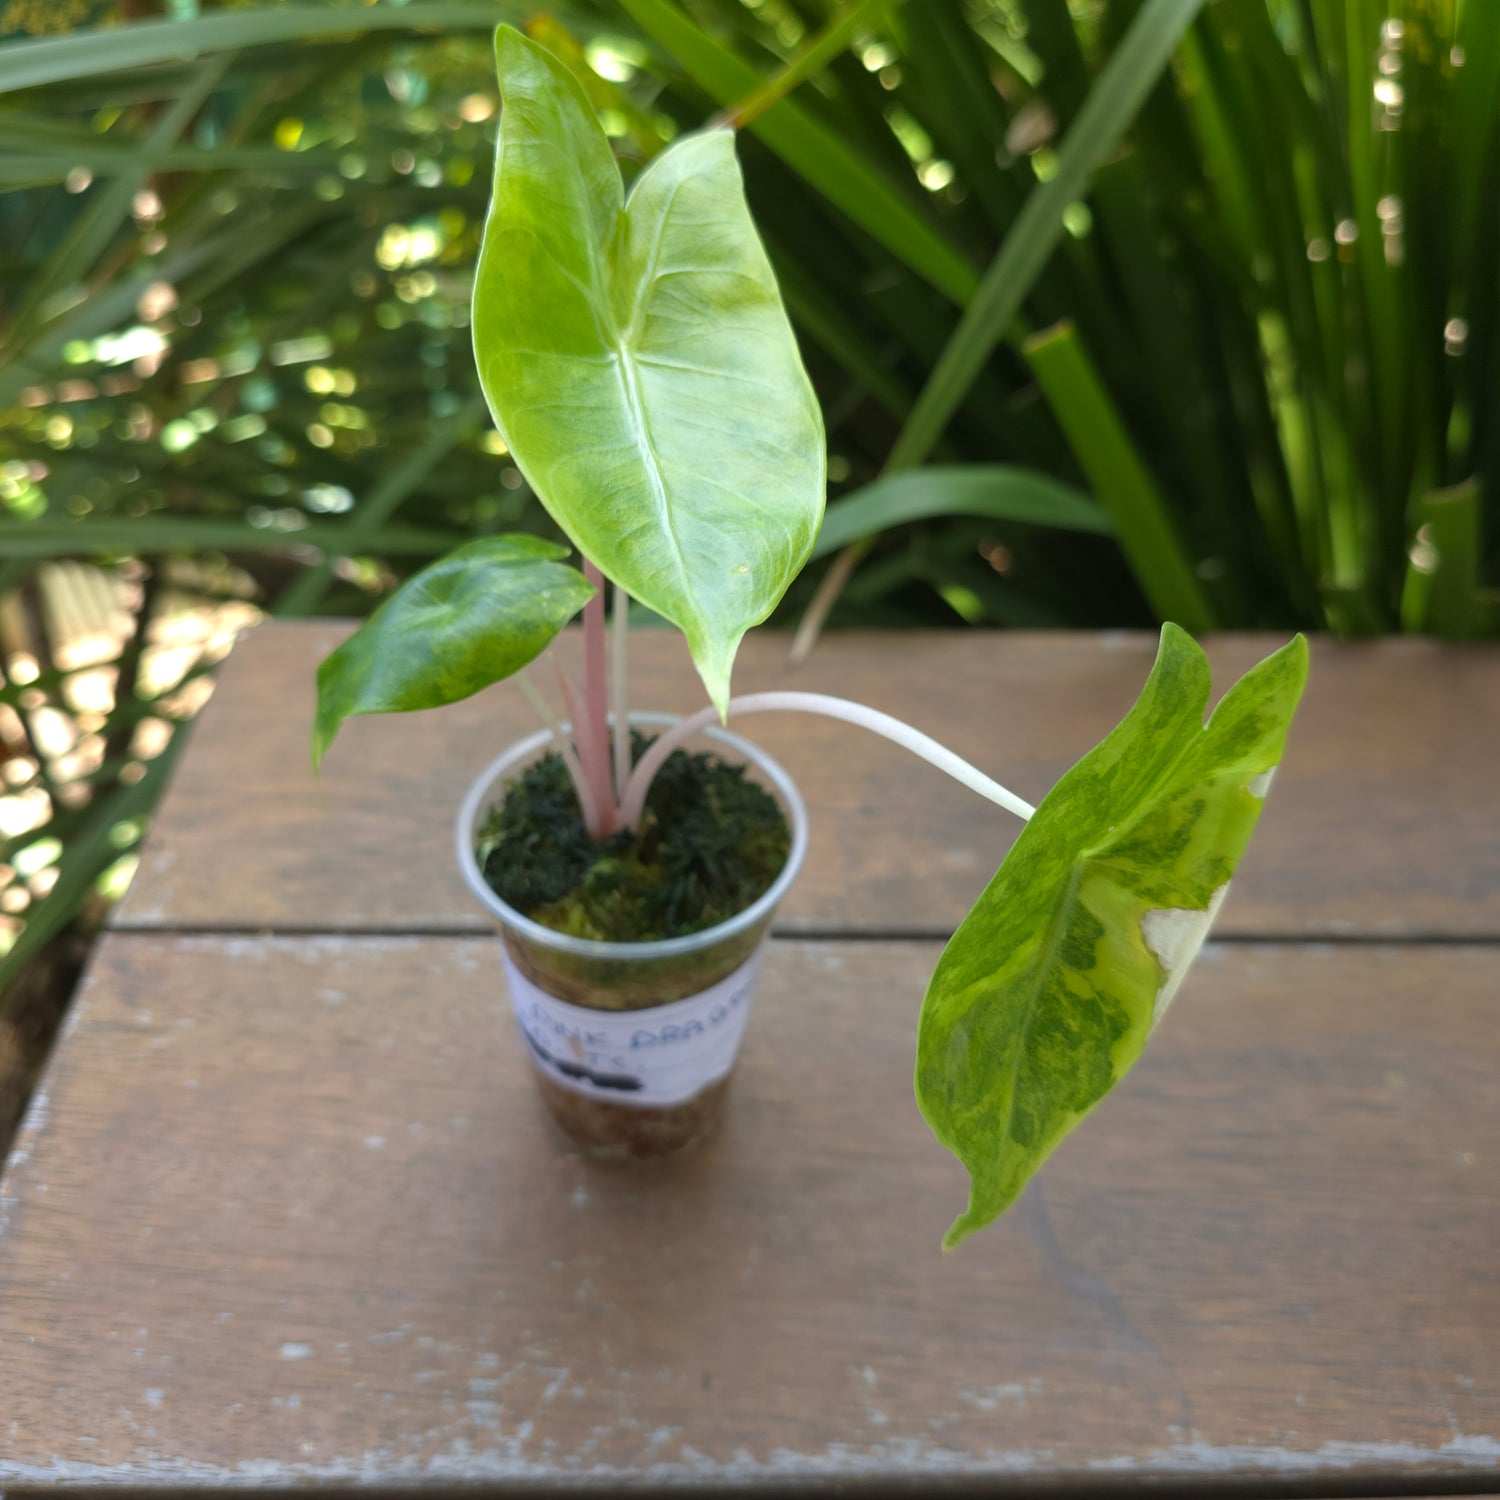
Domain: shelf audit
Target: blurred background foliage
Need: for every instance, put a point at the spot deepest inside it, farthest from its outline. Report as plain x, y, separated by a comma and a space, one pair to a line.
1234, 361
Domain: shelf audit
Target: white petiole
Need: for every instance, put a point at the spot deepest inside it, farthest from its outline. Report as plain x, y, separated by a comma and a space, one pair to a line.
633, 801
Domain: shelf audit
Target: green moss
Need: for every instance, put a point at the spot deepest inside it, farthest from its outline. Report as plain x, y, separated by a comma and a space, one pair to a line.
711, 842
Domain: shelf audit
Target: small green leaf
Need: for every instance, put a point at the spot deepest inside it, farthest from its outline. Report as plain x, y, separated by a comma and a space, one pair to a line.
640, 365
471, 619
1049, 990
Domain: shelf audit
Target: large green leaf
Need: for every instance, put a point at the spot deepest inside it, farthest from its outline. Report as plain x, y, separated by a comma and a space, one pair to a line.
639, 363
1049, 990
473, 618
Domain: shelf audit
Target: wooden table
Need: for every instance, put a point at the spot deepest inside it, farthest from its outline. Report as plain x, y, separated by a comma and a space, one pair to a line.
286, 1208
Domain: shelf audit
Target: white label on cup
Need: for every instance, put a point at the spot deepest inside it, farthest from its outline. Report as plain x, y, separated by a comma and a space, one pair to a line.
659, 1056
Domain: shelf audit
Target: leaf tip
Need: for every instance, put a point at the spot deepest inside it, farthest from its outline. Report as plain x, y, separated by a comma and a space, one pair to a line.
505, 38
1289, 664
328, 717
325, 731
507, 35
517, 54
714, 660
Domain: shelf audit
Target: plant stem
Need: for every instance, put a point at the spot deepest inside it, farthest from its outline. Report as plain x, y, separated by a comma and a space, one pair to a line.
634, 801
591, 729
606, 816
619, 686
586, 803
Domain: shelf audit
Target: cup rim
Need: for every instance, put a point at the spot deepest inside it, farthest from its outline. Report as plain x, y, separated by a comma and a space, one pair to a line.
476, 802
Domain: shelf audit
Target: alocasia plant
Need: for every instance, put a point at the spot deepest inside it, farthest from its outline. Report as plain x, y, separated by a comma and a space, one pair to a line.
643, 373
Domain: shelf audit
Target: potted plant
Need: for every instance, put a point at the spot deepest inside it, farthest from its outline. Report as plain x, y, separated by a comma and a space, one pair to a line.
642, 372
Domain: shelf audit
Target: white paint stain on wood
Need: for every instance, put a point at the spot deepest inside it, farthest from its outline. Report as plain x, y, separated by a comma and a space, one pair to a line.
33, 1125
992, 1398
503, 1457
321, 949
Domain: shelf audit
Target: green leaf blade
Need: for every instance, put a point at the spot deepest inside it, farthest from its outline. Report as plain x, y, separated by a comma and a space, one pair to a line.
640, 365
92, 50
996, 304
992, 492
1050, 988
1125, 486
821, 155
1444, 563
473, 618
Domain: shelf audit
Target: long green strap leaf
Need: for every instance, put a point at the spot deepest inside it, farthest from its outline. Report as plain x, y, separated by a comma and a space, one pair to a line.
95, 228
1441, 594
371, 514
86, 53
827, 45
1119, 478
36, 362
995, 310
84, 538
992, 492
1130, 74
123, 161
821, 316
813, 151
86, 857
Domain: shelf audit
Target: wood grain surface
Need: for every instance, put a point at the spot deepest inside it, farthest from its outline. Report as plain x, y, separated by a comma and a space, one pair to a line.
1382, 823
289, 1211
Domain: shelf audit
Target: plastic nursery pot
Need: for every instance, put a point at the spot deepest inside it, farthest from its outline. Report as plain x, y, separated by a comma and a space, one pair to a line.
632, 1044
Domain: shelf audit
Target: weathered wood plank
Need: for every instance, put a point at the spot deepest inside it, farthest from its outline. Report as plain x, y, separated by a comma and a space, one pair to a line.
288, 1210
1382, 823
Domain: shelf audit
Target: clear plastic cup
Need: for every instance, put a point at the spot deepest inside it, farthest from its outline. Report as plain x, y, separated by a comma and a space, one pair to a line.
633, 1045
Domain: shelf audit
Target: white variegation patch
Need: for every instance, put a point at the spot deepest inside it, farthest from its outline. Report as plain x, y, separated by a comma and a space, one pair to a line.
1258, 786
1174, 935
